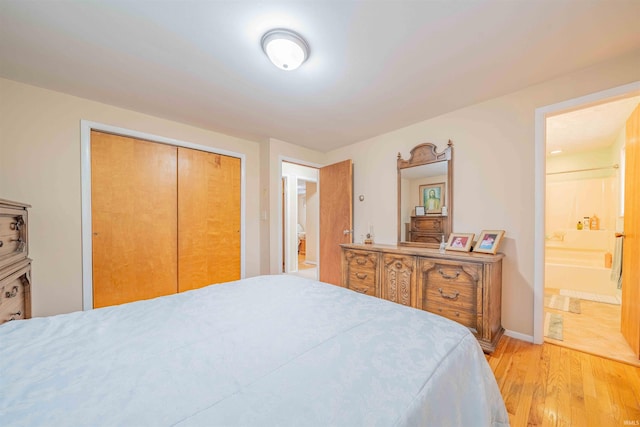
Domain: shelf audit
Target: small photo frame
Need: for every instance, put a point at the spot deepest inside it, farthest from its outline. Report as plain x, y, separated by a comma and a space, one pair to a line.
432, 197
419, 210
460, 242
488, 241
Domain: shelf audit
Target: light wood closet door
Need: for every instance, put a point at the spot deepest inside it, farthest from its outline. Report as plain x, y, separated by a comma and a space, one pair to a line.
134, 219
208, 218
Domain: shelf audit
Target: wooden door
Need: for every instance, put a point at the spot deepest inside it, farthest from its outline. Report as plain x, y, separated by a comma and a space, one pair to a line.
208, 218
133, 211
630, 321
336, 217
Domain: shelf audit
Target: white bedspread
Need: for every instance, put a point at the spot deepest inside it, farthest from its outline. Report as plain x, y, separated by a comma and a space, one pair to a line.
265, 351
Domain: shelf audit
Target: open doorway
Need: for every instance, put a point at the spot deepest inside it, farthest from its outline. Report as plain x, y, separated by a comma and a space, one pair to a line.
300, 222
584, 199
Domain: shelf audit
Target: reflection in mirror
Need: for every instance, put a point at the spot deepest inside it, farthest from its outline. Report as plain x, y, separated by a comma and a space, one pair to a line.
425, 196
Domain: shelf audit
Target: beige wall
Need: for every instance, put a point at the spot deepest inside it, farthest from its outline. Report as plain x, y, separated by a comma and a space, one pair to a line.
493, 177
40, 165
494, 172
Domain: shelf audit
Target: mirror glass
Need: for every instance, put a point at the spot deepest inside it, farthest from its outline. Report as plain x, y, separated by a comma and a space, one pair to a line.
425, 196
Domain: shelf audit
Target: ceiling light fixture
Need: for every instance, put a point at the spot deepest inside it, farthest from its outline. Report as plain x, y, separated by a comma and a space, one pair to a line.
286, 49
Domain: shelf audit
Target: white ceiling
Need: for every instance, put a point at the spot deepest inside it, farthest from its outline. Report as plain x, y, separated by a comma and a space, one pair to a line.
375, 66
589, 128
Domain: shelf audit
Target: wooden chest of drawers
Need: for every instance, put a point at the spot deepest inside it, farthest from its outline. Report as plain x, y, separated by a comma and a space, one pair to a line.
464, 287
426, 229
15, 267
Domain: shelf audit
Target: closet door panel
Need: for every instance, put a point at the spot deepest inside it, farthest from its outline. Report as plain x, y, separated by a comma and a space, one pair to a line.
134, 218
208, 218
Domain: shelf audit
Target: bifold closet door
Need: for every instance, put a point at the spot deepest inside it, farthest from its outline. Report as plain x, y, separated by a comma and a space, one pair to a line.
208, 218
134, 219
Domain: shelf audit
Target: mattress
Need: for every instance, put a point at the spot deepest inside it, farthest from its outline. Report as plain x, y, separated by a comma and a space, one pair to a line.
266, 351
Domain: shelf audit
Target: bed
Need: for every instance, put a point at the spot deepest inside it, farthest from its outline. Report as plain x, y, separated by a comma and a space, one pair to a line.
266, 351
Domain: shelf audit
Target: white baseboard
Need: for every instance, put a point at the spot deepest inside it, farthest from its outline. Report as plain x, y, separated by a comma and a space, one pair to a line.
518, 335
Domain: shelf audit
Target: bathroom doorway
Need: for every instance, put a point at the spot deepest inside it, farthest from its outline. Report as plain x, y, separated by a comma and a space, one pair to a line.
301, 213
584, 188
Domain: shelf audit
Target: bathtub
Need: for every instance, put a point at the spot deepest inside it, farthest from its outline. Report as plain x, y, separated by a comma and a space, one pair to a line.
575, 260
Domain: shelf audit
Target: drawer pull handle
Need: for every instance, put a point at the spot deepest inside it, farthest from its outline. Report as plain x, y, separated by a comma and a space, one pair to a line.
13, 315
362, 291
454, 295
361, 261
1, 243
16, 225
361, 276
13, 293
446, 276
20, 242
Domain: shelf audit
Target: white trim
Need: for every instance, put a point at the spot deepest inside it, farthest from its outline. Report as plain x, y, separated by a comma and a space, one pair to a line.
86, 127
299, 162
540, 181
280, 231
518, 336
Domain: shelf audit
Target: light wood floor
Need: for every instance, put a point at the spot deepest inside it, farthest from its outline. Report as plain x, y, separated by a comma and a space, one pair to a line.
302, 265
548, 385
595, 330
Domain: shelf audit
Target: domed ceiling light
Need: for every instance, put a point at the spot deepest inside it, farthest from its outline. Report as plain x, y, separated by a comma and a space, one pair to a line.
286, 49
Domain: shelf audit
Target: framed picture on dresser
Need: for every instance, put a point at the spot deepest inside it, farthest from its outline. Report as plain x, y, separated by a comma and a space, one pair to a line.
460, 242
489, 241
419, 210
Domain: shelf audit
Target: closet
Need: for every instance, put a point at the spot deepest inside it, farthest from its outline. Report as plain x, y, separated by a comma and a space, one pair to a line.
165, 219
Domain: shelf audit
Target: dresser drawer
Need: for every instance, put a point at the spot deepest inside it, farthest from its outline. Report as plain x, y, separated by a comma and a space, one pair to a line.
465, 318
425, 238
15, 301
360, 271
13, 235
12, 305
361, 259
454, 296
363, 282
427, 224
451, 289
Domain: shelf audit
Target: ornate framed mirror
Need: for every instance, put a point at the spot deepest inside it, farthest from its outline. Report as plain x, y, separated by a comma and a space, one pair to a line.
425, 196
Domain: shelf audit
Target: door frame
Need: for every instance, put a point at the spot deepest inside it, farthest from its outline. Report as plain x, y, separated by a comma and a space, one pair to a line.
541, 115
280, 230
86, 127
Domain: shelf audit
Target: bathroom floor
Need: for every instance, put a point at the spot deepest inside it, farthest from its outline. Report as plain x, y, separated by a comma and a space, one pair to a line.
595, 330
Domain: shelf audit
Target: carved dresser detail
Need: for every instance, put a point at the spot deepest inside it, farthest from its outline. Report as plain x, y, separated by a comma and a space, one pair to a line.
398, 279
464, 287
15, 267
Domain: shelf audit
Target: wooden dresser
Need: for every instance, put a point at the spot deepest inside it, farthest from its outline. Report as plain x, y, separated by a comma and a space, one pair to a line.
427, 229
15, 267
464, 287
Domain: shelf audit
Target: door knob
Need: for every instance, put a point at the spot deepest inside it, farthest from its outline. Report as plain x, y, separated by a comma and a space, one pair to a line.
345, 232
